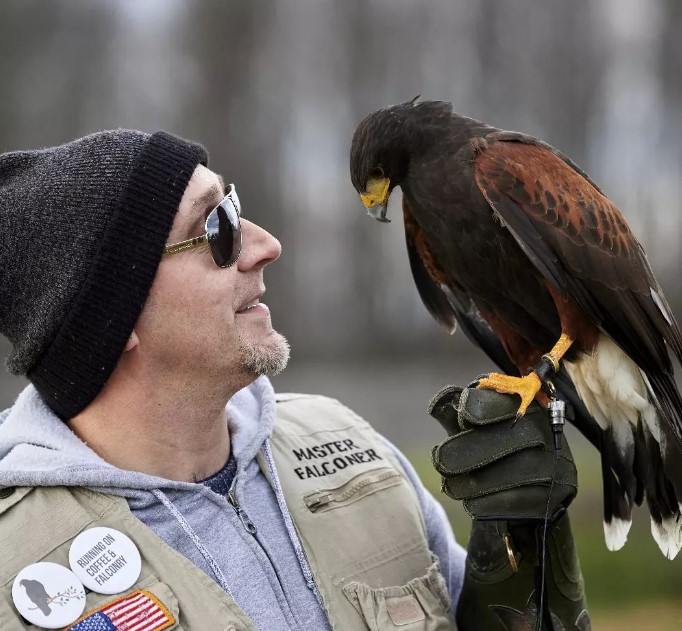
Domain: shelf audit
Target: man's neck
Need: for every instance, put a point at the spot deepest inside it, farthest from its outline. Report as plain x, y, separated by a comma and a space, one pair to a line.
174, 432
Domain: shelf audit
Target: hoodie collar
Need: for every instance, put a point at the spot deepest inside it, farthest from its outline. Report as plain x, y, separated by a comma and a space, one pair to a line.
38, 449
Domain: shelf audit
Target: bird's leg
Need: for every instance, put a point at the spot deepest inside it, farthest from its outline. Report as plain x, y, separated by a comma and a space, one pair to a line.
528, 387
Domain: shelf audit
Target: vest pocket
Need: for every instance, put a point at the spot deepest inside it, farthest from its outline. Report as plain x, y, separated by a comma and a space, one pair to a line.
423, 604
356, 488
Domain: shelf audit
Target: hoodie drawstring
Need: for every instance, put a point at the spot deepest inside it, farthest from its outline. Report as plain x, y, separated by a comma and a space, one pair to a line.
291, 530
220, 577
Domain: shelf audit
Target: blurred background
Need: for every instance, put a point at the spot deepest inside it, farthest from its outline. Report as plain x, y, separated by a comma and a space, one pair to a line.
275, 90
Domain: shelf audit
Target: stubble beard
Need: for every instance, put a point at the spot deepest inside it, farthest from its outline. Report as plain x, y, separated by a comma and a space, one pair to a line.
265, 357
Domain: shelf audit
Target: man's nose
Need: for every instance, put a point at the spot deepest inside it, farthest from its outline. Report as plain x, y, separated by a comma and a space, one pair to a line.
259, 247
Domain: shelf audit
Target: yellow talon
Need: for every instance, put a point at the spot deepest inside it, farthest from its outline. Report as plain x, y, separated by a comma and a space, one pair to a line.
526, 387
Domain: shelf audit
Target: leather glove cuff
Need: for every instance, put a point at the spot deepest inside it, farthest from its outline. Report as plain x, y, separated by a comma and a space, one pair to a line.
502, 578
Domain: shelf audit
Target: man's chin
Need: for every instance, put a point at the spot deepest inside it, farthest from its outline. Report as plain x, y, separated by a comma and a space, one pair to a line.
265, 357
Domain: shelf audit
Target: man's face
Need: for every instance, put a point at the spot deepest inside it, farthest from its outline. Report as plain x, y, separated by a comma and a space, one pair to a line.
196, 318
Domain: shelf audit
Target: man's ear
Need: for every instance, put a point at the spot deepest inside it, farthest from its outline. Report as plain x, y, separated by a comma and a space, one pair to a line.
133, 341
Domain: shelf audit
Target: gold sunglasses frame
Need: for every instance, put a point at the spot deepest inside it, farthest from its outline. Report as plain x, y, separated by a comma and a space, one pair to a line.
188, 244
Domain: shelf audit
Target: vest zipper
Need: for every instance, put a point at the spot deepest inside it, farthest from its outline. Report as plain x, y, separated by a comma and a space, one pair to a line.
241, 513
359, 486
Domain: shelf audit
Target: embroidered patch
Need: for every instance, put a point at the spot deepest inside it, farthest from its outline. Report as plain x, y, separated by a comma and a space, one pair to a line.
139, 611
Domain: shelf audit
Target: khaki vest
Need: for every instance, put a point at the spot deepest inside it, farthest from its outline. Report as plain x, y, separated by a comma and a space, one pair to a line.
355, 511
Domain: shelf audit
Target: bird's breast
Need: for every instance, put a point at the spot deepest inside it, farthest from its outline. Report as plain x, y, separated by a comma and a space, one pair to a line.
481, 256
466, 239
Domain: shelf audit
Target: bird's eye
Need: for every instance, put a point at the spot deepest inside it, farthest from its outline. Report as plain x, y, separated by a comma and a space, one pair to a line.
376, 172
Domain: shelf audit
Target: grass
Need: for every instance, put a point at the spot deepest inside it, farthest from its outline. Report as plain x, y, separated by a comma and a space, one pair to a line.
655, 616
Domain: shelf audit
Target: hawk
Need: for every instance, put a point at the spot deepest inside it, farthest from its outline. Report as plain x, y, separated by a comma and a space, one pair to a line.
510, 239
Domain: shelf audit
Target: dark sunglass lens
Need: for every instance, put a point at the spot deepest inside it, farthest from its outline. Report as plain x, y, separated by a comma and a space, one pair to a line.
224, 234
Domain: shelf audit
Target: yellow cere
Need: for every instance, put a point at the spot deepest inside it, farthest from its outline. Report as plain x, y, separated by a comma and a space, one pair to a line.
377, 191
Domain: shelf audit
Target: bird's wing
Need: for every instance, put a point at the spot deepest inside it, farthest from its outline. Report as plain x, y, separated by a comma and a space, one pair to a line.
448, 304
580, 242
577, 238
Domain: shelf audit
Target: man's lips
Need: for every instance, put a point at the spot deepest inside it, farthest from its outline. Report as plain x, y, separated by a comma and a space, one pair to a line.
259, 307
254, 306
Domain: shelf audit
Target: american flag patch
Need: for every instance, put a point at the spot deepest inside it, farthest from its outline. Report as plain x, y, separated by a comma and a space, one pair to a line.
139, 611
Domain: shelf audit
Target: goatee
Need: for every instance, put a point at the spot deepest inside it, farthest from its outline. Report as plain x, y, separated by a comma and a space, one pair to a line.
265, 357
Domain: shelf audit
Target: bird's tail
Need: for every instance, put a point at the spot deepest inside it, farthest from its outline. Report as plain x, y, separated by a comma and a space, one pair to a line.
660, 497
622, 485
623, 488
638, 416
664, 446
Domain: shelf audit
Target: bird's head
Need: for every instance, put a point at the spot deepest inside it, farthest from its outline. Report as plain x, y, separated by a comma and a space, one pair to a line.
383, 145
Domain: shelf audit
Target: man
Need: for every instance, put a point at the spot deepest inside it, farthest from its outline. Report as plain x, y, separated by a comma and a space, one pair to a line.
130, 291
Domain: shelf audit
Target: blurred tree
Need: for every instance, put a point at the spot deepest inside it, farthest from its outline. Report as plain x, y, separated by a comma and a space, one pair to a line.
540, 69
670, 60
47, 92
237, 107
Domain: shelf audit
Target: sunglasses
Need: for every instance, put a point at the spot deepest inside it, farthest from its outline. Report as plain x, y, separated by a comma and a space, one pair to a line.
223, 232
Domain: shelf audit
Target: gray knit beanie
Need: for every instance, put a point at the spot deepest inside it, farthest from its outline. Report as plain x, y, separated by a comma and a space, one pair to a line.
82, 232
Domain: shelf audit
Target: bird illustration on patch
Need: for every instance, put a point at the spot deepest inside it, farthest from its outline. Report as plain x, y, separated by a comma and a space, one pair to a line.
35, 590
38, 595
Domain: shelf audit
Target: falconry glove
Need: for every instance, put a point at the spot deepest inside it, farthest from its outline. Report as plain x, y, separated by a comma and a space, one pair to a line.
503, 472
500, 470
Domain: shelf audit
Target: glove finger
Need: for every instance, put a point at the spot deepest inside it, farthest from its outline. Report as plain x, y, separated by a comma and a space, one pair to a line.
535, 466
485, 407
531, 504
443, 407
473, 449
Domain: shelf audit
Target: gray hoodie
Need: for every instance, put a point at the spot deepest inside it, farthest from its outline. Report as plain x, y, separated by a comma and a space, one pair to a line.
265, 572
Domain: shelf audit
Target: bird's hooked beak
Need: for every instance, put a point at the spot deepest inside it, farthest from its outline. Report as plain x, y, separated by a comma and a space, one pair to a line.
375, 198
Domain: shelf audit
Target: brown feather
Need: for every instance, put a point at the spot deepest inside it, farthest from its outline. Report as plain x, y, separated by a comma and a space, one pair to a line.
524, 354
416, 235
550, 192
